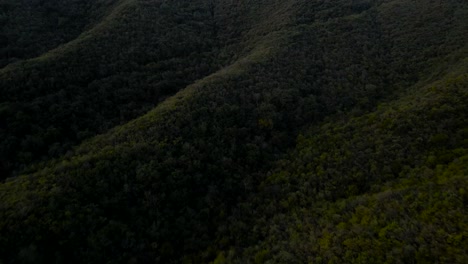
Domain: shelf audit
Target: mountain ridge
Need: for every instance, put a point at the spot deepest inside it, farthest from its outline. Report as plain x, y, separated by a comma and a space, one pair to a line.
277, 152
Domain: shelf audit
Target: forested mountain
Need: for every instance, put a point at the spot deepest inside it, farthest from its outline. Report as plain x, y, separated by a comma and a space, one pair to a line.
232, 131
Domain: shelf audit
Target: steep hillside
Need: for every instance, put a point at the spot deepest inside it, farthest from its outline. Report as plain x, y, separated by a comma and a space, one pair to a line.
137, 55
32, 27
385, 187
280, 132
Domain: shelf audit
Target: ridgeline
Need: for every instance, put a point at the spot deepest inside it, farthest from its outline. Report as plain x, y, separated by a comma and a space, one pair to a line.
143, 131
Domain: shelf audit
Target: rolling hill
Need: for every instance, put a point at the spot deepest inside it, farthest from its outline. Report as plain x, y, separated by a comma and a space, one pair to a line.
142, 131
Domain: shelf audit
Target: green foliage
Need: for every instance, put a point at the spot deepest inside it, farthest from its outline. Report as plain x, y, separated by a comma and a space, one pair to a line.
30, 28
262, 132
395, 194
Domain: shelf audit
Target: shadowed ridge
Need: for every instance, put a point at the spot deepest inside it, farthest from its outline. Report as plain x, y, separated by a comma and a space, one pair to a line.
283, 151
31, 28
350, 197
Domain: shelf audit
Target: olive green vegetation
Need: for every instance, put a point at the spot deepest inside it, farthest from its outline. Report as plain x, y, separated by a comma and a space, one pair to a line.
397, 194
275, 132
32, 27
138, 55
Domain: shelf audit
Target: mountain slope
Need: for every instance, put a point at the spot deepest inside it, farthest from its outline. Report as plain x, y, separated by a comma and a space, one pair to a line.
30, 28
214, 173
136, 56
384, 187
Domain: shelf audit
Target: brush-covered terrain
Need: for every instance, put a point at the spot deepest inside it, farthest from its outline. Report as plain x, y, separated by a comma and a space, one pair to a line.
234, 131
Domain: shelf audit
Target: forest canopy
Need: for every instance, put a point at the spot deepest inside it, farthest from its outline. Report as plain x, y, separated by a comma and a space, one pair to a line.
203, 131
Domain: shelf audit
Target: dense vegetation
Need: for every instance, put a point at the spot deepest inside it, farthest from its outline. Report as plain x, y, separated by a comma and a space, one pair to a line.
397, 194
275, 132
30, 28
